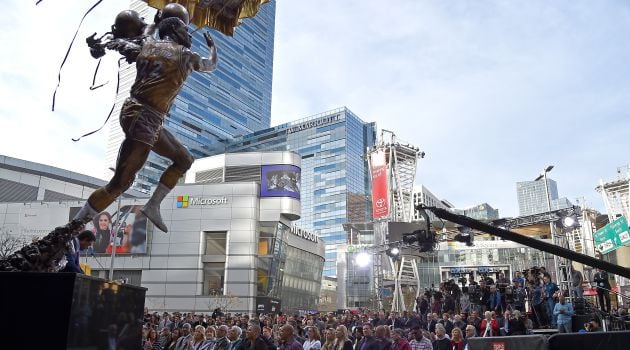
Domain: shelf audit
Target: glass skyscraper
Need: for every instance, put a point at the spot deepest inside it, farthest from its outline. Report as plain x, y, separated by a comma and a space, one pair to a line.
233, 100
532, 197
335, 178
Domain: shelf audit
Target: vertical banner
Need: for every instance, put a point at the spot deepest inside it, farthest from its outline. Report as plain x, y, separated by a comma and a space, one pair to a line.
380, 190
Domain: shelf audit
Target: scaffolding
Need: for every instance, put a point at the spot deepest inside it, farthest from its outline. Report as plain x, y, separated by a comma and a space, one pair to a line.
616, 197
401, 161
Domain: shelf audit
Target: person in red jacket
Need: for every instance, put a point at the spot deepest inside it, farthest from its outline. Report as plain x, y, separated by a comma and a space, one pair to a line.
489, 326
400, 342
457, 339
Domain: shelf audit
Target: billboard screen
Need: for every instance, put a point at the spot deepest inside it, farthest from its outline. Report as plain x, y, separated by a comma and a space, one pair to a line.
380, 192
280, 181
127, 226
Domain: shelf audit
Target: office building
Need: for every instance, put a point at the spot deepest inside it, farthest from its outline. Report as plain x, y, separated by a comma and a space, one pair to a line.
235, 99
335, 179
483, 211
231, 241
422, 195
532, 197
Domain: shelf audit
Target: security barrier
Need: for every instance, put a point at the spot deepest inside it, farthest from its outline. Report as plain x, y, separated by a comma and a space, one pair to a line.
590, 341
519, 342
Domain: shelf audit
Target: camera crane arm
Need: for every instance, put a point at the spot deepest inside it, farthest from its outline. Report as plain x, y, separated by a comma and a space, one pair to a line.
528, 241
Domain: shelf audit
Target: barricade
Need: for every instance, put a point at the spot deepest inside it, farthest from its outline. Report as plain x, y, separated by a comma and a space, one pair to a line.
517, 342
590, 341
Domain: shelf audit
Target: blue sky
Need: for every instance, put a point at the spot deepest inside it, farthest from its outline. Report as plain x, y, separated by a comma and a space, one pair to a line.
492, 91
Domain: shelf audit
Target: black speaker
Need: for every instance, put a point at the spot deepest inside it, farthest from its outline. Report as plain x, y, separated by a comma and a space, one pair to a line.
579, 305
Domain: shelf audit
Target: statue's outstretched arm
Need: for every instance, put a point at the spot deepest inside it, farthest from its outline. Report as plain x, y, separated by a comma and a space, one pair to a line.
129, 48
203, 64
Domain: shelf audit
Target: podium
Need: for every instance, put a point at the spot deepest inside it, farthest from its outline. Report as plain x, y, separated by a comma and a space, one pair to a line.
70, 311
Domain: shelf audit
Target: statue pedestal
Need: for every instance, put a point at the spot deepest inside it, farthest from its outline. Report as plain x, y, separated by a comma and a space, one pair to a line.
70, 311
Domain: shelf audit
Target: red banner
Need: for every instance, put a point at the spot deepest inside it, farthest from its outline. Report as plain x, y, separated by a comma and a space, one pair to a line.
380, 190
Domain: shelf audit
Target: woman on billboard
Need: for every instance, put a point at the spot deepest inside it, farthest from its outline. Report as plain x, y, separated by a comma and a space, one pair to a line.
102, 230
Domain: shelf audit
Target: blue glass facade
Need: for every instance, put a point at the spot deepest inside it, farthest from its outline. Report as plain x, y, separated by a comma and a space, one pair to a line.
335, 178
233, 100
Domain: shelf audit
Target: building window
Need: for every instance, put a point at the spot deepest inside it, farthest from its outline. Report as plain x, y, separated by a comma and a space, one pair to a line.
213, 278
215, 243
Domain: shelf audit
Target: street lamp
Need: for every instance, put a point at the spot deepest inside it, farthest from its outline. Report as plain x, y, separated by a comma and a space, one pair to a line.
114, 234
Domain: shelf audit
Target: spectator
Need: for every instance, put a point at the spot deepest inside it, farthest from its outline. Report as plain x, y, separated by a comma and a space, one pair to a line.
198, 339
182, 342
550, 289
329, 339
342, 342
223, 343
211, 337
457, 339
442, 341
577, 279
287, 338
563, 311
516, 324
471, 332
234, 336
603, 290
593, 326
446, 322
399, 340
368, 342
419, 341
81, 242
170, 344
489, 326
312, 341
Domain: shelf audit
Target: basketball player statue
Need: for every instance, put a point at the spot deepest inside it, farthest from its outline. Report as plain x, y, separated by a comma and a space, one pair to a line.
162, 68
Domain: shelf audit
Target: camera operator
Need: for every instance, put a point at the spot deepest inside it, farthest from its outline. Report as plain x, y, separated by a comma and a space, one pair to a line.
520, 279
601, 278
540, 313
518, 296
485, 294
593, 326
549, 290
437, 301
496, 301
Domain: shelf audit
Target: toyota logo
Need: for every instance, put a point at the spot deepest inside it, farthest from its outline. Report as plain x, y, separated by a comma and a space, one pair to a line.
380, 202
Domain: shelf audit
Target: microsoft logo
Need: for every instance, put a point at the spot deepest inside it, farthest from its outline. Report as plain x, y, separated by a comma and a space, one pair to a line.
188, 201
182, 201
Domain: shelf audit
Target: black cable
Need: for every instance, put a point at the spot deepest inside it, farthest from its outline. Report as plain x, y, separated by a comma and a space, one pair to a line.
529, 241
113, 106
69, 48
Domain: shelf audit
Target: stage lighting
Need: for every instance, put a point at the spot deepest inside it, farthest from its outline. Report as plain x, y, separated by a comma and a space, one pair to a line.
362, 259
393, 252
569, 221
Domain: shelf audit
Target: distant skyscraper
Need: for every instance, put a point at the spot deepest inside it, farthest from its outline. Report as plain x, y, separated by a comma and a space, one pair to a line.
532, 197
335, 179
233, 100
422, 195
483, 211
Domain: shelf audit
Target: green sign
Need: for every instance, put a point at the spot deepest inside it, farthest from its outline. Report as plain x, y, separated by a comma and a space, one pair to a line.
612, 236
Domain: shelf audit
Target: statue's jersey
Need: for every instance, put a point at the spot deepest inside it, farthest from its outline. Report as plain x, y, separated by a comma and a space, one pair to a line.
162, 67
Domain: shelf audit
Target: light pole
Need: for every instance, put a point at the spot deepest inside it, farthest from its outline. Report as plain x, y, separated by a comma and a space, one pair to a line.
552, 226
114, 236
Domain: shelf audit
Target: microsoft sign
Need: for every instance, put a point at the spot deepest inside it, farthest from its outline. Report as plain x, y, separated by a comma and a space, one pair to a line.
188, 201
612, 236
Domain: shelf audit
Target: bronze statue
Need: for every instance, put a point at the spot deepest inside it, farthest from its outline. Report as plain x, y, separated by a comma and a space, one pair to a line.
162, 67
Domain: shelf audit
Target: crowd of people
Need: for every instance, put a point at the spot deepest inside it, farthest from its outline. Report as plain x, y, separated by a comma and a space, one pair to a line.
531, 298
350, 330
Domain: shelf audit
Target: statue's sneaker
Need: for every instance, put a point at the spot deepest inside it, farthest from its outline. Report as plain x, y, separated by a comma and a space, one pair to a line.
153, 214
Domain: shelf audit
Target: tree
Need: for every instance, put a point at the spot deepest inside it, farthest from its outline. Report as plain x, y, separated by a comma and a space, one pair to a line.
10, 243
